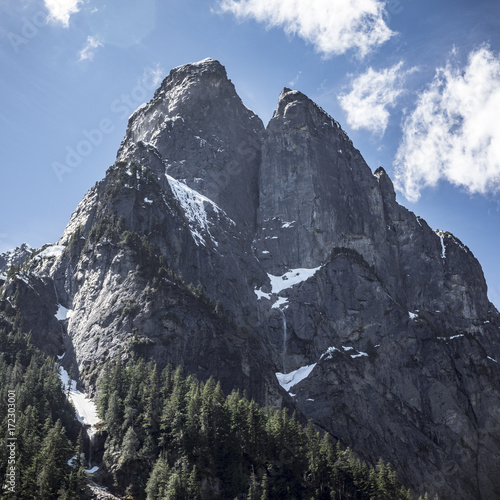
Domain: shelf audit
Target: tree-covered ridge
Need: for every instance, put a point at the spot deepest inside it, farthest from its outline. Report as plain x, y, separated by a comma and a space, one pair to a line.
43, 423
173, 437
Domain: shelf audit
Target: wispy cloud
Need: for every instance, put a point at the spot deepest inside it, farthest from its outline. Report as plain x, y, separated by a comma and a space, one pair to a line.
60, 10
371, 95
333, 26
453, 132
293, 82
89, 49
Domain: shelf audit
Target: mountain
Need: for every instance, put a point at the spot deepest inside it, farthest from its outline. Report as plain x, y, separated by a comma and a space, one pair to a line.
275, 260
14, 257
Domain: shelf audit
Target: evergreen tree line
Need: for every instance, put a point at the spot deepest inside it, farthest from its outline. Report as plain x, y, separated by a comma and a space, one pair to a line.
167, 436
42, 424
173, 437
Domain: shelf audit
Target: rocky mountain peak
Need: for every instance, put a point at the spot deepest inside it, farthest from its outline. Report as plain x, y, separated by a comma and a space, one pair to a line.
204, 135
277, 261
15, 256
208, 69
298, 110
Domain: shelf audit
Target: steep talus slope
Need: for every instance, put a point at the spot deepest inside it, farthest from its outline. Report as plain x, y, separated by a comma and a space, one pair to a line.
241, 252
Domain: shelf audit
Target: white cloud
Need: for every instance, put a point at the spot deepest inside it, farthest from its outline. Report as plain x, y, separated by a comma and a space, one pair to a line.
90, 48
293, 82
453, 132
332, 26
61, 10
372, 93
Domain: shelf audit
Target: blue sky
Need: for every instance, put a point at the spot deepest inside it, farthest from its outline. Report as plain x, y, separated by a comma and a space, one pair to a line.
416, 85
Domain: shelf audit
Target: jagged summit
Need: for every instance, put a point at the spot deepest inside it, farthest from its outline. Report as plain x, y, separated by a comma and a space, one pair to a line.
203, 68
290, 99
15, 256
204, 135
244, 252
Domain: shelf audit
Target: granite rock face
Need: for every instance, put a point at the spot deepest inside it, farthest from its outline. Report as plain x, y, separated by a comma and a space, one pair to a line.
205, 136
243, 252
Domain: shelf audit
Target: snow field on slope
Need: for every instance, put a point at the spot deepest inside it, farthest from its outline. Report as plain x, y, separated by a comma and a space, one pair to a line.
288, 380
63, 313
291, 278
285, 281
291, 379
193, 204
85, 408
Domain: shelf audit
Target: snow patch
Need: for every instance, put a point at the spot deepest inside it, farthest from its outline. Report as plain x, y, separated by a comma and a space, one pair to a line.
443, 249
147, 200
86, 409
328, 354
288, 380
280, 302
62, 314
291, 278
412, 315
287, 280
452, 337
286, 225
492, 359
441, 235
52, 251
359, 355
260, 294
193, 204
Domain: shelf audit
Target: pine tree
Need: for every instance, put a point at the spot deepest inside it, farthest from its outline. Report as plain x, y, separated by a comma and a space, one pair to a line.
193, 487
253, 492
52, 459
158, 479
174, 489
264, 488
114, 415
129, 447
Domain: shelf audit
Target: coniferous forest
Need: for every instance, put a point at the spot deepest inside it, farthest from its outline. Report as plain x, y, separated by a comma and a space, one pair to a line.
167, 435
173, 437
45, 429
